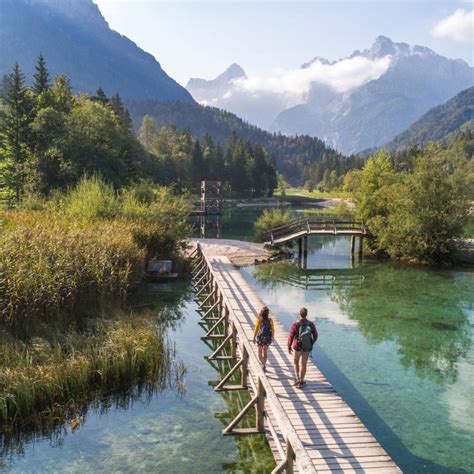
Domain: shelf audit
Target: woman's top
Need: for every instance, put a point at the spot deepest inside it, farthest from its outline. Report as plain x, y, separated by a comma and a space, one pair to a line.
257, 327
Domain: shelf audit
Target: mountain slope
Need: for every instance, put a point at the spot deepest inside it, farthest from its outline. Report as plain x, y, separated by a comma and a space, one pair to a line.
77, 41
416, 80
293, 155
226, 92
354, 103
437, 123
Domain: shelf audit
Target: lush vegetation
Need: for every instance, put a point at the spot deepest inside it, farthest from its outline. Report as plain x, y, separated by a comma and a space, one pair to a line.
269, 219
298, 158
245, 169
439, 123
416, 204
53, 374
67, 265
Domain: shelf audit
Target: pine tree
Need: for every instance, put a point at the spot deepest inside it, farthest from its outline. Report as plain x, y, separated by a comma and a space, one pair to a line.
117, 106
41, 77
209, 157
100, 97
148, 133
15, 132
219, 164
197, 164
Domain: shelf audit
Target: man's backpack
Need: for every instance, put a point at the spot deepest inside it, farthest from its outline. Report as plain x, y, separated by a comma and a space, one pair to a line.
264, 335
305, 337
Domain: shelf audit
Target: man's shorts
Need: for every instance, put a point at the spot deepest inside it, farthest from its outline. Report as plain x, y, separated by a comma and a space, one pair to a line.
303, 355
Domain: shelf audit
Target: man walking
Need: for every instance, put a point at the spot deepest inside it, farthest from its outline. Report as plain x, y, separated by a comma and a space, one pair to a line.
302, 337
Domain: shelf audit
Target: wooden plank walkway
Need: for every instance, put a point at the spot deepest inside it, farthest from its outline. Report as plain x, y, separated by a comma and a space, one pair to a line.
332, 435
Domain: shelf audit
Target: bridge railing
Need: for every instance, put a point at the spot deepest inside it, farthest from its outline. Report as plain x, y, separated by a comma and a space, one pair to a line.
307, 225
265, 398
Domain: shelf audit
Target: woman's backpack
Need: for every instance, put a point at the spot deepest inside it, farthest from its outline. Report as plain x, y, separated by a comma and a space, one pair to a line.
264, 335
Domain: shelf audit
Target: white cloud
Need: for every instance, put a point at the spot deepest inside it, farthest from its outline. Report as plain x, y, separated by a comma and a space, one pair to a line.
459, 27
295, 84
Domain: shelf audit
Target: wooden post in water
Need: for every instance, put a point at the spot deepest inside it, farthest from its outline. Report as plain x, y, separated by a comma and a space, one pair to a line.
300, 246
305, 252
361, 246
353, 240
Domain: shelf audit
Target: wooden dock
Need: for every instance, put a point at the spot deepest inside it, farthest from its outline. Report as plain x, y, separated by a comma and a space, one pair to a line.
309, 430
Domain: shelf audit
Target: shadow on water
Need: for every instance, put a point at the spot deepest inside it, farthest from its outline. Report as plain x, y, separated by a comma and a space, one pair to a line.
255, 455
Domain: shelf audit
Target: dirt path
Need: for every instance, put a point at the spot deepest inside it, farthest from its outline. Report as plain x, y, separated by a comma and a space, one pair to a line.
239, 252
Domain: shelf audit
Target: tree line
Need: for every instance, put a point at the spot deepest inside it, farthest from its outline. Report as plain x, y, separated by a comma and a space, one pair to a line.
416, 203
245, 169
50, 138
299, 158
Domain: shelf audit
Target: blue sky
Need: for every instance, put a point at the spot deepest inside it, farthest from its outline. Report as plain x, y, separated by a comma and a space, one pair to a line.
200, 39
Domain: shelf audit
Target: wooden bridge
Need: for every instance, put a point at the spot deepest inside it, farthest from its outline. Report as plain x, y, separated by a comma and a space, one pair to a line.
300, 229
310, 430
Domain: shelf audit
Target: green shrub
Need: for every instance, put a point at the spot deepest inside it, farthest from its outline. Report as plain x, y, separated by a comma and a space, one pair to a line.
92, 198
270, 218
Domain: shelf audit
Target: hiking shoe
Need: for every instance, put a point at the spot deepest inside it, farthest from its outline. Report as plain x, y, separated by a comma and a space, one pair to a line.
302, 384
296, 383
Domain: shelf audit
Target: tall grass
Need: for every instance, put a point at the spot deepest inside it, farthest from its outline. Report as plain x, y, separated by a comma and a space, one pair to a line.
54, 376
62, 262
51, 265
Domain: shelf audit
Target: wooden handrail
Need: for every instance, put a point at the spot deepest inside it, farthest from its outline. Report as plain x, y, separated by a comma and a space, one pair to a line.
310, 224
302, 459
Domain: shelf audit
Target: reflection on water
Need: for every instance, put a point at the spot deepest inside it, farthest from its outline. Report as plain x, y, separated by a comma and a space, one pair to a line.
402, 336
144, 430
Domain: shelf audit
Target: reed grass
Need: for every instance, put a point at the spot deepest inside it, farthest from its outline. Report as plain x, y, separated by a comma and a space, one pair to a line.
50, 265
44, 377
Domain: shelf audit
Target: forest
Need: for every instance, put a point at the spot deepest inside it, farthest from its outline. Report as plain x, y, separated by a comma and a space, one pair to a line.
298, 158
50, 138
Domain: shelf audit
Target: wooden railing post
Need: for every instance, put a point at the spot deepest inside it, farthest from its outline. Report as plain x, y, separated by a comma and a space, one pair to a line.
260, 407
245, 367
290, 455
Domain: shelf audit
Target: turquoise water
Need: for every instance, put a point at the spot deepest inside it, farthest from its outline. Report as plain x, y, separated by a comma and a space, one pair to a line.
170, 432
396, 341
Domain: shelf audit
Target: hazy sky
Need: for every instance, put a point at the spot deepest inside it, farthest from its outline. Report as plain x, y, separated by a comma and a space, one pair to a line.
200, 39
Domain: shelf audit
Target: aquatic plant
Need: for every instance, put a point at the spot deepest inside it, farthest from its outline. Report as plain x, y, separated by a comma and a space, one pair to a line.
270, 218
45, 377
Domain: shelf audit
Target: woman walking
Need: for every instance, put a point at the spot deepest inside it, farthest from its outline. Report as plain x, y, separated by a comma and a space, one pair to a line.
263, 335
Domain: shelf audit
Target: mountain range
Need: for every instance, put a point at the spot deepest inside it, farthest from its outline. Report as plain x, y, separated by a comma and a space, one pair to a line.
354, 103
438, 124
77, 41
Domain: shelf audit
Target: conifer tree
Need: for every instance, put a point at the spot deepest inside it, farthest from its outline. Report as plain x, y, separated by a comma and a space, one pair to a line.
117, 106
41, 77
15, 132
197, 163
100, 97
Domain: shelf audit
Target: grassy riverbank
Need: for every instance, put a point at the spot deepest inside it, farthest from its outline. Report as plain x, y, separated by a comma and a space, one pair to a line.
66, 269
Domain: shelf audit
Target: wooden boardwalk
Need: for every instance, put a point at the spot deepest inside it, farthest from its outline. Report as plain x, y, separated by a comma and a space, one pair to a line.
309, 430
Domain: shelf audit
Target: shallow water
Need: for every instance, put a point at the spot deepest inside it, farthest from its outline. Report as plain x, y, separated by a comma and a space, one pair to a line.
172, 432
396, 341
